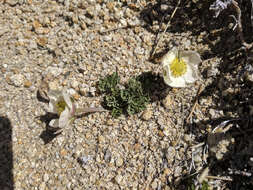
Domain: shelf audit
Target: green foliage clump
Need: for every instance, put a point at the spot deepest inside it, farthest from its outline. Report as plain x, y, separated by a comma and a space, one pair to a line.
204, 186
130, 98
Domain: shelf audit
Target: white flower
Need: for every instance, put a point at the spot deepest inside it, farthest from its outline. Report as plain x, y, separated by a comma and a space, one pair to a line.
61, 104
180, 67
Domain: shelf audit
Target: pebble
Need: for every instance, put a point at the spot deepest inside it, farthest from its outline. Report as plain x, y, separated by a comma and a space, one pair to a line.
42, 186
167, 102
119, 162
27, 84
147, 114
54, 85
74, 84
212, 112
46, 177
249, 77
12, 2
55, 71
107, 155
17, 80
118, 178
154, 184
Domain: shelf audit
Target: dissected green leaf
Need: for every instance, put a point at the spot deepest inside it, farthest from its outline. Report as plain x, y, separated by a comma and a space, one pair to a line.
131, 99
109, 83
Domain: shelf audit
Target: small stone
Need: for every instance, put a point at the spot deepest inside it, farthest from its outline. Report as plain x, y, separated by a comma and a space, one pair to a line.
178, 171
42, 41
160, 133
83, 26
75, 84
75, 19
54, 85
101, 139
187, 138
154, 184
110, 5
42, 186
108, 155
167, 102
54, 71
46, 177
249, 77
171, 152
12, 2
63, 152
36, 25
109, 122
27, 84
119, 162
137, 147
212, 113
147, 114
164, 7
118, 179
17, 80
76, 96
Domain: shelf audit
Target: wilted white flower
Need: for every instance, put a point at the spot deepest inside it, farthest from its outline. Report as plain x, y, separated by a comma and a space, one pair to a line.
61, 104
180, 67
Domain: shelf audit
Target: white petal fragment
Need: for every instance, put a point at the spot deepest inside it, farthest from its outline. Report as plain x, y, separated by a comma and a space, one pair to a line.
64, 118
67, 99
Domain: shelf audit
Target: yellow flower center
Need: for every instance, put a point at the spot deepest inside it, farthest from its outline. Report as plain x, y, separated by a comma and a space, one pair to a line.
178, 67
60, 106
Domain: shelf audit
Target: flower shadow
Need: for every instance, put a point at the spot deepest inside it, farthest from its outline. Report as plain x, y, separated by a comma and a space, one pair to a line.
49, 133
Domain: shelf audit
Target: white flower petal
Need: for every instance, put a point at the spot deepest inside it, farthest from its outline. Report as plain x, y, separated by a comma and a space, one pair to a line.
169, 57
172, 81
52, 107
188, 76
191, 57
67, 99
64, 118
54, 123
54, 94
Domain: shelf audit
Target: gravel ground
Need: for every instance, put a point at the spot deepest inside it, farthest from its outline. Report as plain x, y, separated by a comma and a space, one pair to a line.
73, 44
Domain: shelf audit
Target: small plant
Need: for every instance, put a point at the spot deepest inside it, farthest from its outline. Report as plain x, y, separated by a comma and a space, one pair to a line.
204, 186
130, 99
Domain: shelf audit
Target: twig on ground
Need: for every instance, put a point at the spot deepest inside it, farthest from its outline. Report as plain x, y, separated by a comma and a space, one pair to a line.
196, 102
238, 172
219, 178
167, 26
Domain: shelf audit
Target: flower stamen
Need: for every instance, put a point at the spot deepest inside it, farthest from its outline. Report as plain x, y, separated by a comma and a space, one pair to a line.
60, 106
178, 67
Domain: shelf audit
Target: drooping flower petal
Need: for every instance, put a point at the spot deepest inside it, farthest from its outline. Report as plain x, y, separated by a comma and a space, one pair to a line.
67, 99
54, 123
64, 118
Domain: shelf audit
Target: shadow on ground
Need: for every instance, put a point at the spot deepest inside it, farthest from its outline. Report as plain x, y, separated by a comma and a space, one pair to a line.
197, 19
6, 154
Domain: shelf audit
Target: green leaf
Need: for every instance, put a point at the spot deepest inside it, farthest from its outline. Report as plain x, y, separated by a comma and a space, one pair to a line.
109, 83
131, 99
